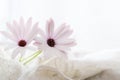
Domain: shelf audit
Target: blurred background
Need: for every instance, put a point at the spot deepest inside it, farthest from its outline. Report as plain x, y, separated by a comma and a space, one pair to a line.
96, 23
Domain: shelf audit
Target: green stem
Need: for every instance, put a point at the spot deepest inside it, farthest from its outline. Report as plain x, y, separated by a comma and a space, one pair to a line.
21, 59
30, 58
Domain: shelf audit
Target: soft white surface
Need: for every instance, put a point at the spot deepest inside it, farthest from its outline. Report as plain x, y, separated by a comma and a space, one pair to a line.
9, 69
102, 65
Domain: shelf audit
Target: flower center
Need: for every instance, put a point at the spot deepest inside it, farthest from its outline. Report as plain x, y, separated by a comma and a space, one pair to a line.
51, 42
22, 43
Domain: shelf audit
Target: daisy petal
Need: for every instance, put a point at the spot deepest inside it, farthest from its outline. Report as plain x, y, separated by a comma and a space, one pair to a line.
10, 27
52, 52
8, 35
31, 48
32, 33
59, 30
62, 48
64, 35
67, 42
15, 52
40, 43
22, 52
29, 23
9, 45
37, 44
22, 27
16, 29
37, 39
63, 32
50, 28
21, 22
41, 32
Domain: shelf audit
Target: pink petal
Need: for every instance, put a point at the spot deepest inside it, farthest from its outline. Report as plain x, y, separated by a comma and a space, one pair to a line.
15, 52
16, 30
32, 34
21, 22
40, 45
62, 32
28, 25
50, 28
31, 48
22, 52
52, 52
8, 35
49, 51
59, 30
21, 27
37, 39
17, 26
64, 35
8, 46
67, 42
62, 48
37, 43
10, 27
42, 34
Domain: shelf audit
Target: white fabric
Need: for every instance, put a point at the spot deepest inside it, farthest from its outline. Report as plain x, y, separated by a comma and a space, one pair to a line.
102, 65
9, 69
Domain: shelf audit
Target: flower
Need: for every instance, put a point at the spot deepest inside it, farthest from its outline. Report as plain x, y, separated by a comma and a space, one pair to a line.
55, 39
21, 34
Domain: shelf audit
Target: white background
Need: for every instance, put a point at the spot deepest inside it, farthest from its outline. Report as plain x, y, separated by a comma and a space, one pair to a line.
96, 23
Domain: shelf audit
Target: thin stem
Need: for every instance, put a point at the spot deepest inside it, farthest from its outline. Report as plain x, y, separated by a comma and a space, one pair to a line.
30, 58
21, 59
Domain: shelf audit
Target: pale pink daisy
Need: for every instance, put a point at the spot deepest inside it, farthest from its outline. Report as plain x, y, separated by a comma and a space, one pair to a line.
21, 34
55, 39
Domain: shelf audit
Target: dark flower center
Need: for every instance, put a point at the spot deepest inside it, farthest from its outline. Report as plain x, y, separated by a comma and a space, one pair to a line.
51, 42
22, 43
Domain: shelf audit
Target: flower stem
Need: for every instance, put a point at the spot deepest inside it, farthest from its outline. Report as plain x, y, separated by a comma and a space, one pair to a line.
30, 58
